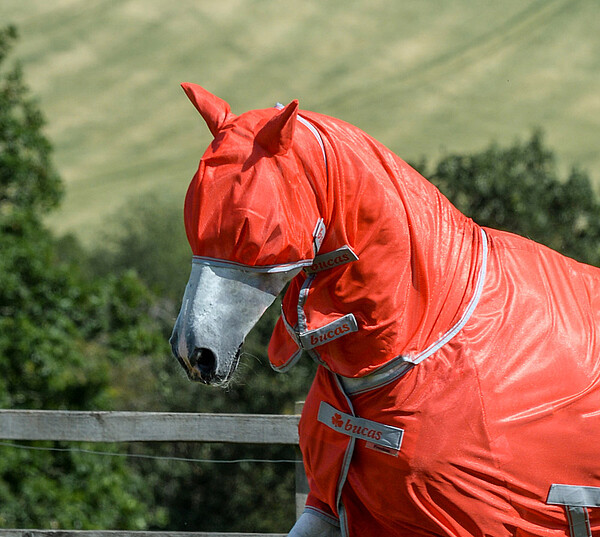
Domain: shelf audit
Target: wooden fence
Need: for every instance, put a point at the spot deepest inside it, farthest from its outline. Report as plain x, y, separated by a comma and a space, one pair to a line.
77, 426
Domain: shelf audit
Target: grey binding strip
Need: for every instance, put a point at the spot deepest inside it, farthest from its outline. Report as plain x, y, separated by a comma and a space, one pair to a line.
312, 129
579, 521
389, 372
289, 267
371, 431
574, 495
344, 471
466, 315
400, 365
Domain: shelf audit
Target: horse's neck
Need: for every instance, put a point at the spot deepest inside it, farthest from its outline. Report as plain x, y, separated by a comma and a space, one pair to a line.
419, 257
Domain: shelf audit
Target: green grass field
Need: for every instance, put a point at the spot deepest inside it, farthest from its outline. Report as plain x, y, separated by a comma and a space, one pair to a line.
425, 78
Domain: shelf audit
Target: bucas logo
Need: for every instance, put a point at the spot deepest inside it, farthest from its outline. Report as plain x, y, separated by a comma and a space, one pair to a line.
337, 420
330, 263
333, 259
355, 429
319, 339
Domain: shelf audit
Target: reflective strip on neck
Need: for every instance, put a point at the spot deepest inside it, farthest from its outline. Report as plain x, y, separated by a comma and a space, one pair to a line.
400, 365
436, 346
312, 129
386, 374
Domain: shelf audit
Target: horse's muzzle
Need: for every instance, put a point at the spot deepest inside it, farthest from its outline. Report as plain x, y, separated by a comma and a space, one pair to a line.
220, 306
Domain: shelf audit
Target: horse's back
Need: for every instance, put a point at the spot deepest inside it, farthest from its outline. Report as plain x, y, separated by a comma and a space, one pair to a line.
534, 341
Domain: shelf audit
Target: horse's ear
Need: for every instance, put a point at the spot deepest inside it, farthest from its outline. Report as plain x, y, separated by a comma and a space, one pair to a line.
214, 110
277, 134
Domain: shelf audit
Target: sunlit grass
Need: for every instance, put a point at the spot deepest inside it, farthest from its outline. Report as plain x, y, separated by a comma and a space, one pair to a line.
422, 77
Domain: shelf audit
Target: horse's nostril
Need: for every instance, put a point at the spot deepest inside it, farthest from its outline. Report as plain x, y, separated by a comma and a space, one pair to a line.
204, 360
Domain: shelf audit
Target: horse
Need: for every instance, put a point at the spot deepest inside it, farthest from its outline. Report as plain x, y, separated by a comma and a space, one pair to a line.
457, 391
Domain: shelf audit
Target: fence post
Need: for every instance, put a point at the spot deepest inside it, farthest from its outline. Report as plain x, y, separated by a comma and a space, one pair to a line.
301, 481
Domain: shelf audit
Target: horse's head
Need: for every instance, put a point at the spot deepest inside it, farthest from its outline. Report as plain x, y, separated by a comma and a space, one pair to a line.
251, 219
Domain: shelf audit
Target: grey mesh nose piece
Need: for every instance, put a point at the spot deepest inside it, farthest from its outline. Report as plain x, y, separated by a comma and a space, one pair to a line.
220, 306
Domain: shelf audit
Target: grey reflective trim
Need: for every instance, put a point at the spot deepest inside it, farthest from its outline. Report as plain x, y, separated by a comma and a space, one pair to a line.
330, 260
316, 357
579, 521
325, 334
466, 315
371, 431
344, 471
286, 267
289, 328
291, 361
322, 515
317, 134
319, 235
302, 296
345, 531
386, 374
574, 495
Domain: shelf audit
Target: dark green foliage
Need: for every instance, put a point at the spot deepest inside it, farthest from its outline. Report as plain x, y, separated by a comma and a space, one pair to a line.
63, 339
150, 238
28, 182
518, 189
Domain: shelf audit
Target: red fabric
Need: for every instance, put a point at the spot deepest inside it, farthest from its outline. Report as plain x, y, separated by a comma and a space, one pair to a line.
418, 256
503, 410
233, 208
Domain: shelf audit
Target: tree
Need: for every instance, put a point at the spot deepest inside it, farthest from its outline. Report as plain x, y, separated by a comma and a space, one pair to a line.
61, 338
518, 189
28, 182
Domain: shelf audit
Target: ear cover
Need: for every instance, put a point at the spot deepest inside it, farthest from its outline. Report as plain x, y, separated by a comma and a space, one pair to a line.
277, 134
214, 110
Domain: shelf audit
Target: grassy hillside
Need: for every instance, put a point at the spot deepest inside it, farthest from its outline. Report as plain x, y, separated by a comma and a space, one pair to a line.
423, 77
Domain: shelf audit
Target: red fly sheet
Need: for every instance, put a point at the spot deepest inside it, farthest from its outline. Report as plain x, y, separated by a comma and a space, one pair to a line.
459, 387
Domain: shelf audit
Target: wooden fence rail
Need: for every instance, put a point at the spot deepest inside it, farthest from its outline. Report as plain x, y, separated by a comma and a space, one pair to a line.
103, 533
147, 427
90, 426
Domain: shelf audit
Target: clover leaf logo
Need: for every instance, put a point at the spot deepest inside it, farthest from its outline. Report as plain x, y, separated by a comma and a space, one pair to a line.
336, 419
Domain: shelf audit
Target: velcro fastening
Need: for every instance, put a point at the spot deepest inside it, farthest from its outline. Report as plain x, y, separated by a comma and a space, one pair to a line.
576, 495
576, 501
386, 436
325, 334
330, 260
